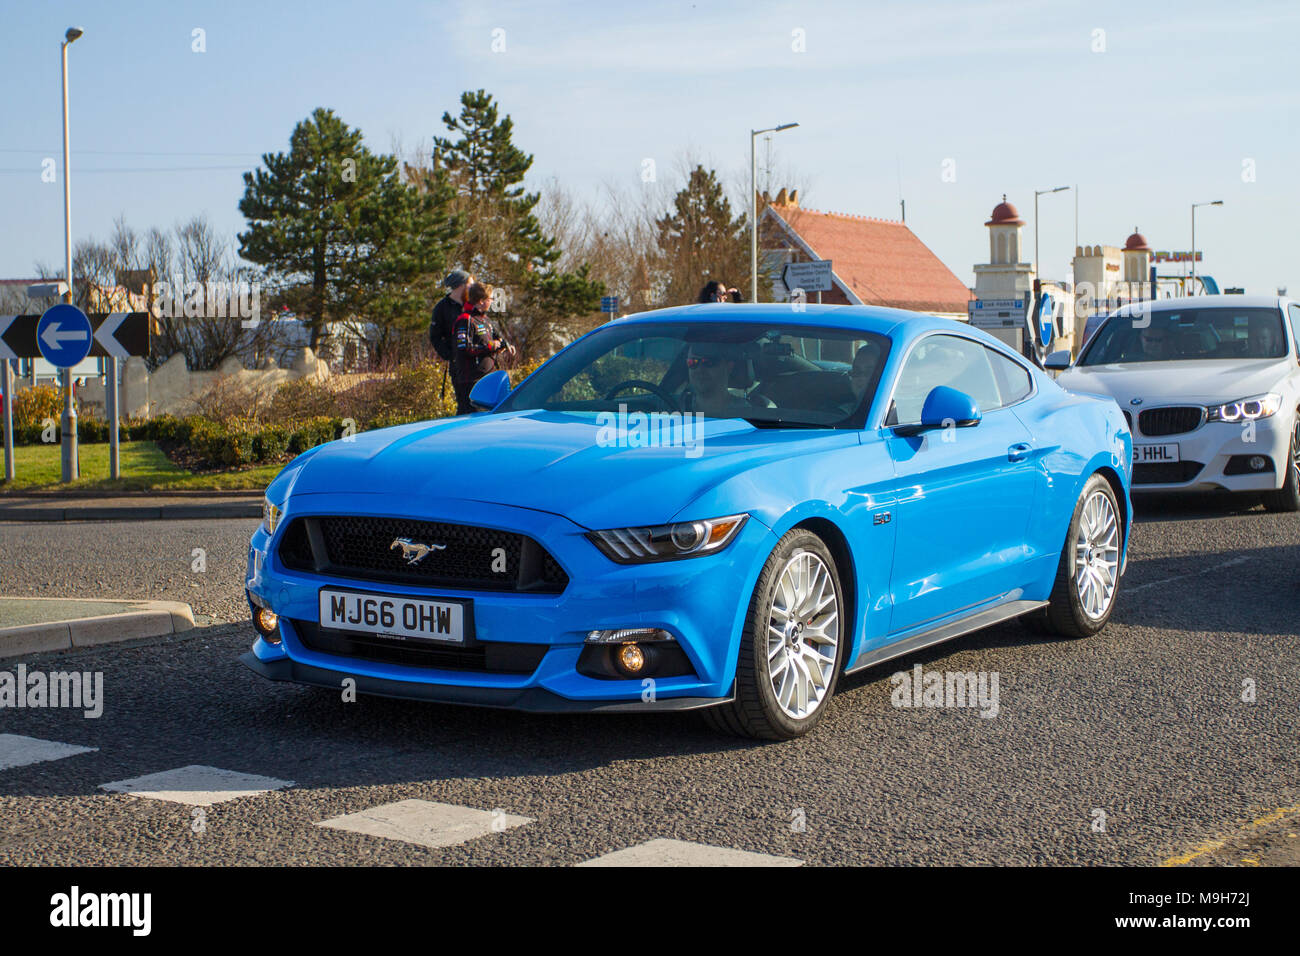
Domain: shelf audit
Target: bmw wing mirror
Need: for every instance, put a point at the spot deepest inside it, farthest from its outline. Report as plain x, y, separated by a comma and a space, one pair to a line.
490, 391
1057, 361
944, 408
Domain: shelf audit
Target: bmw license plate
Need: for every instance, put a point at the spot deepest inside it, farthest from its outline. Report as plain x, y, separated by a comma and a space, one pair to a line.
1154, 454
392, 616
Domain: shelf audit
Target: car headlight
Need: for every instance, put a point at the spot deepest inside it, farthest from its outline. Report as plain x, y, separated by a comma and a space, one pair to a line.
270, 516
667, 542
1246, 409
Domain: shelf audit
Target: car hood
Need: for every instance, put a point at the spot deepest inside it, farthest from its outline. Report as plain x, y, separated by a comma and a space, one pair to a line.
549, 461
1199, 382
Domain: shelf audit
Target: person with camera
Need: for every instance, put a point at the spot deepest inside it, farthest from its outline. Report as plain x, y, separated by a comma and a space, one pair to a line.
477, 344
715, 291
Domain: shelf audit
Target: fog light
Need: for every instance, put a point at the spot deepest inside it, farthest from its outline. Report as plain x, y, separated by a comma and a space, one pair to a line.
624, 635
267, 623
1257, 462
630, 659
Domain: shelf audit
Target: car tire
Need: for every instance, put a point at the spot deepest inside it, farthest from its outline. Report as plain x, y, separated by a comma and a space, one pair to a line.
784, 682
1082, 601
1287, 498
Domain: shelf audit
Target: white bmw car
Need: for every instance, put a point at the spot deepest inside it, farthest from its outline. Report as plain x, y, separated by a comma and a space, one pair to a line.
1210, 386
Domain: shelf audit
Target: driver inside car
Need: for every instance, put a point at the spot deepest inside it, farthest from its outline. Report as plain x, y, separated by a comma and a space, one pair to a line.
709, 367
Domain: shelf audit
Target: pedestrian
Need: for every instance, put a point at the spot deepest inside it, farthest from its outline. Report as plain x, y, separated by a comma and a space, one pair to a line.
478, 344
715, 291
442, 326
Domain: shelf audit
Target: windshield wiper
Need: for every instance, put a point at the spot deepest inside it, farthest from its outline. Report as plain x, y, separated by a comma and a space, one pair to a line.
783, 423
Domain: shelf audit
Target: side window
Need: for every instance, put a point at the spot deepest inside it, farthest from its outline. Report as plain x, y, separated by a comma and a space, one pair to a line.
1293, 312
943, 360
1014, 381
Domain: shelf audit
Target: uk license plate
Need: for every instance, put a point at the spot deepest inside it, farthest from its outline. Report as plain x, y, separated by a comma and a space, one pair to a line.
1155, 454
390, 615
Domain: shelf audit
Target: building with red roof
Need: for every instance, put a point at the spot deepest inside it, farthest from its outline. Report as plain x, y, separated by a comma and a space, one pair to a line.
875, 261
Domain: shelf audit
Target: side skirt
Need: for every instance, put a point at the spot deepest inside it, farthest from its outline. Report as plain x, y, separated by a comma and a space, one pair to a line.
945, 632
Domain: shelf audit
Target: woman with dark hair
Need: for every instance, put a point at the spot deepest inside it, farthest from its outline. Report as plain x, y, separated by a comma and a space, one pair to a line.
715, 291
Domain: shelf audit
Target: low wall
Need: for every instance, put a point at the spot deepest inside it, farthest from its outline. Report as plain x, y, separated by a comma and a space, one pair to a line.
173, 389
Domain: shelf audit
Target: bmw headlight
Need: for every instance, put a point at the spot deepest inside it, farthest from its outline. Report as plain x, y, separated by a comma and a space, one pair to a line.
1246, 409
667, 542
270, 516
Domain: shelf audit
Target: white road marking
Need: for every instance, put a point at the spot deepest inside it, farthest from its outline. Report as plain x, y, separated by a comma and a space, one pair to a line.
196, 786
425, 823
1231, 562
16, 751
681, 853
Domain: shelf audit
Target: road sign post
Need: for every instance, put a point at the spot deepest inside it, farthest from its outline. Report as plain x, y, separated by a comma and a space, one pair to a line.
7, 394
7, 388
64, 336
67, 338
609, 305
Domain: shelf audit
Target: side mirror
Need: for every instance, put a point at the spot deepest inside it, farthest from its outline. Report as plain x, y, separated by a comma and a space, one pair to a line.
944, 408
490, 391
1057, 361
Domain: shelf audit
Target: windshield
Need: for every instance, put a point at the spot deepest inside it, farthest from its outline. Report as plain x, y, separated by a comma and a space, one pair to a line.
1166, 335
771, 376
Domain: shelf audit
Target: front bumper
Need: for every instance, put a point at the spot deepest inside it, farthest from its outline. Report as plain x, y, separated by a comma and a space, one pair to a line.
535, 700
701, 601
1214, 446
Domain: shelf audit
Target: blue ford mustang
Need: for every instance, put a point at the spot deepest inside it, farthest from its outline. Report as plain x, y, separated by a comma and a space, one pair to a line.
720, 507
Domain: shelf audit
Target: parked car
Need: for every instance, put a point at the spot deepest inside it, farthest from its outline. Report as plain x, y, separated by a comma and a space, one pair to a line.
1211, 388
826, 489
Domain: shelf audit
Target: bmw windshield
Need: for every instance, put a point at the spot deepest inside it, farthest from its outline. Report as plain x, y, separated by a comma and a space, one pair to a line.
1168, 335
770, 376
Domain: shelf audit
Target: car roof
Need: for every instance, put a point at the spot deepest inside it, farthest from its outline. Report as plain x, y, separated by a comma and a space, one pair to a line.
1208, 302
867, 318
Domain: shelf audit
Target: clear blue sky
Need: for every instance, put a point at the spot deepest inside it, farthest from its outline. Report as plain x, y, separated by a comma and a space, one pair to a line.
1012, 92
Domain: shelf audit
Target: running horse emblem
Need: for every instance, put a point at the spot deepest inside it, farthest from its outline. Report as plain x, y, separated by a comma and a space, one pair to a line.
415, 551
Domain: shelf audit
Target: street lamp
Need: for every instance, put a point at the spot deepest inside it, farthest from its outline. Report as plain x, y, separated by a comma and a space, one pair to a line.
69, 436
1037, 193
1216, 202
753, 205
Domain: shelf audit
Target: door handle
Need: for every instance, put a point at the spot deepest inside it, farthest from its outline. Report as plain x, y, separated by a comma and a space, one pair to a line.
1018, 452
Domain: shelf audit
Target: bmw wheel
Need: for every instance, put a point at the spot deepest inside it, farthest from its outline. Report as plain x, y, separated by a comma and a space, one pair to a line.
1287, 498
792, 644
1087, 577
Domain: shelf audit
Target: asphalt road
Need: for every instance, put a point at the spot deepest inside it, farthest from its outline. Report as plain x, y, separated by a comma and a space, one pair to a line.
1142, 727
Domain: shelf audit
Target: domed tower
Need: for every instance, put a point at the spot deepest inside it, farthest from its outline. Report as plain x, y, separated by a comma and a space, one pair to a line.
1004, 279
1137, 257
1005, 227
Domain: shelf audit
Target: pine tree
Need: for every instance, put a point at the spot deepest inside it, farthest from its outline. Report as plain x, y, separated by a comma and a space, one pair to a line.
501, 241
699, 239
340, 232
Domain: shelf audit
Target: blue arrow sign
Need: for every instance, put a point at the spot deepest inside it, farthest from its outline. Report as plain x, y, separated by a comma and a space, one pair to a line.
63, 335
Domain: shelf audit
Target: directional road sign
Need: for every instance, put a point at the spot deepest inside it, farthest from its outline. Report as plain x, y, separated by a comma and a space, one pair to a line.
609, 303
117, 334
63, 335
812, 276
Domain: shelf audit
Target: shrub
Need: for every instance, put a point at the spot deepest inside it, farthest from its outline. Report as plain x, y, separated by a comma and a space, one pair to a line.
311, 433
271, 443
33, 405
300, 400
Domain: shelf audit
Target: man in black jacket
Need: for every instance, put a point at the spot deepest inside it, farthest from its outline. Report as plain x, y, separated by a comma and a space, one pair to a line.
442, 327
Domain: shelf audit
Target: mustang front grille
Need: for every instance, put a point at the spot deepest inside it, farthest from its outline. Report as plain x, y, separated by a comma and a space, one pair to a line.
426, 553
1173, 420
